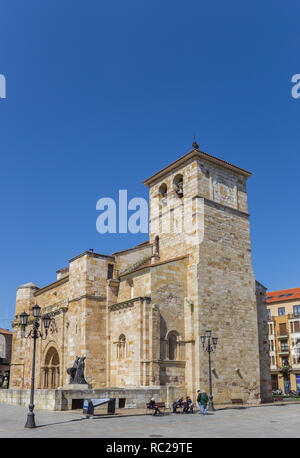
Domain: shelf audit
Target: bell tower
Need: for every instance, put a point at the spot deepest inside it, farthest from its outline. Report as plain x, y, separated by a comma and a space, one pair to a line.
198, 209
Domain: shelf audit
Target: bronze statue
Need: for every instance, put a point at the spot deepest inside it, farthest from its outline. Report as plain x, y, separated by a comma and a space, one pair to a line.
72, 370
79, 376
77, 371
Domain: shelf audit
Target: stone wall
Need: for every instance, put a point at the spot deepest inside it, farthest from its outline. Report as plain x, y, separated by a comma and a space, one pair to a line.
128, 360
264, 350
43, 399
77, 306
227, 306
62, 399
168, 285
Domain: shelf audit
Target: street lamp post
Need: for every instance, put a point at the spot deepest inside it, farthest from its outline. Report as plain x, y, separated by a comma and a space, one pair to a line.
209, 348
34, 334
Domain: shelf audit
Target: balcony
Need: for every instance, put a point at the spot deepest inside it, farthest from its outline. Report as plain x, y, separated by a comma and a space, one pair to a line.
284, 352
292, 316
283, 336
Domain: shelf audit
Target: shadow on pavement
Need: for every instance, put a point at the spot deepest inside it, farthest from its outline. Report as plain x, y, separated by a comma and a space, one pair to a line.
61, 422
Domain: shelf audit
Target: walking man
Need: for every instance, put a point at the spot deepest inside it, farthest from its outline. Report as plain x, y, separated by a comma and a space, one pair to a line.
202, 400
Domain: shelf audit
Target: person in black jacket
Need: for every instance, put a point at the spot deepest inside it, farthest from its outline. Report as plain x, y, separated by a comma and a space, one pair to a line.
178, 403
188, 405
154, 407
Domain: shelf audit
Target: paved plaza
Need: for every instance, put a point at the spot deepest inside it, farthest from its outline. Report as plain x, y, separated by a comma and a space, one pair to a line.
264, 421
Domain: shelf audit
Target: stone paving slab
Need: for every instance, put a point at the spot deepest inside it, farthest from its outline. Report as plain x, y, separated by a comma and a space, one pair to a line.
130, 412
271, 421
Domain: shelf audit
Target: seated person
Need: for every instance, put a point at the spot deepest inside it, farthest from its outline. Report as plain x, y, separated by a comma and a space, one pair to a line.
178, 403
154, 407
189, 405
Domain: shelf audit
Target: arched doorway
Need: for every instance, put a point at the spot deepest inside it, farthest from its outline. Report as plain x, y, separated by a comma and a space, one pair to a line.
51, 369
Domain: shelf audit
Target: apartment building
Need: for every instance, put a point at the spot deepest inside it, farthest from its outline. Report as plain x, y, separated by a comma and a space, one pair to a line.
5, 351
283, 308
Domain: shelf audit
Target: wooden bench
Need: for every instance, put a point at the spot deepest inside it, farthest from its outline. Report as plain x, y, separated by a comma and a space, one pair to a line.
237, 401
190, 410
160, 405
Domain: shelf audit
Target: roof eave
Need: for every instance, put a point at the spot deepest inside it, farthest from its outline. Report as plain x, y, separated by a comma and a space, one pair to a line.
195, 153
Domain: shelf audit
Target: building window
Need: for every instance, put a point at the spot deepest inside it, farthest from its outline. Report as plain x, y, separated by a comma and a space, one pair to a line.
294, 326
284, 345
110, 271
295, 360
121, 347
269, 314
281, 311
172, 345
156, 246
282, 329
163, 193
296, 310
178, 185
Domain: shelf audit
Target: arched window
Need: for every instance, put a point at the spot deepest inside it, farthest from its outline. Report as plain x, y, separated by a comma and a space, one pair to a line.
163, 195
178, 185
157, 245
121, 347
163, 190
172, 345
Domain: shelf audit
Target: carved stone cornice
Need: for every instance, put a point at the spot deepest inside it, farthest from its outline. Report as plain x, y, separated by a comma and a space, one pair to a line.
89, 297
57, 308
128, 304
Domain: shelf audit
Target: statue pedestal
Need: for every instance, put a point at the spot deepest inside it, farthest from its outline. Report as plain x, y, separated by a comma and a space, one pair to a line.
77, 386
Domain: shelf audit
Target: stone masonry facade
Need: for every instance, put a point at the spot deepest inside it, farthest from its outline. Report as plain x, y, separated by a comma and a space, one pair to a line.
138, 315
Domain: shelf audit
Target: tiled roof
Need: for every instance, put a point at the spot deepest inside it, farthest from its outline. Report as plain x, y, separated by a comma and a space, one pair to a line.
5, 331
132, 248
283, 295
202, 155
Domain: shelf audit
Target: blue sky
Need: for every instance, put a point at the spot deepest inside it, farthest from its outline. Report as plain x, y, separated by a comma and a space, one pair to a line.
102, 94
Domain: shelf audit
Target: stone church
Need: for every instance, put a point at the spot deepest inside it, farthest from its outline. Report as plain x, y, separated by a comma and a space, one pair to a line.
138, 314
